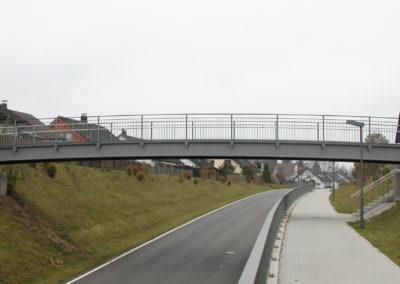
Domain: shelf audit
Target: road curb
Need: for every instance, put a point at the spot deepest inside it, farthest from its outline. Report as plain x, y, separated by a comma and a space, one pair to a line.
273, 276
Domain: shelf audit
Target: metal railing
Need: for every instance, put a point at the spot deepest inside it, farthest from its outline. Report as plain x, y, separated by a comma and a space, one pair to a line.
196, 127
257, 266
374, 190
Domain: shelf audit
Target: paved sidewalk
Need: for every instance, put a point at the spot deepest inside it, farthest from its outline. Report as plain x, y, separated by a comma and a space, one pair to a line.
319, 247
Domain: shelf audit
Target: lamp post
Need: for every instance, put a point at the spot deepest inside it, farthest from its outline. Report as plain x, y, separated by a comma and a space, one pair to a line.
333, 179
361, 125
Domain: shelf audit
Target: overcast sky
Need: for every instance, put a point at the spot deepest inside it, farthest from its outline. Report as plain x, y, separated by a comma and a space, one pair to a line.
177, 56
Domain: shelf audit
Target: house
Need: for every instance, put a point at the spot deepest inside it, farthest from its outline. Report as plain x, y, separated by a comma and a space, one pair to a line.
30, 129
338, 179
81, 130
205, 168
257, 167
125, 137
219, 163
286, 172
320, 179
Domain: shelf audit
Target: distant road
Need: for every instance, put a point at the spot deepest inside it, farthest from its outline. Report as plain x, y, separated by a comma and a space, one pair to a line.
213, 249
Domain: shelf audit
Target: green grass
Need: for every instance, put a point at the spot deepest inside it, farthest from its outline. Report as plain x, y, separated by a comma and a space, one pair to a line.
100, 213
343, 202
382, 231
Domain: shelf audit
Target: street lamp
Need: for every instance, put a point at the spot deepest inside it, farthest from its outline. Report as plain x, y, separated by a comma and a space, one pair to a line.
361, 125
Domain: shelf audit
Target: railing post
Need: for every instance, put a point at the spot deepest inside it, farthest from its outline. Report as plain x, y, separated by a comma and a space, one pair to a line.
15, 135
277, 130
323, 128
98, 130
318, 131
151, 130
34, 134
231, 129
186, 129
141, 127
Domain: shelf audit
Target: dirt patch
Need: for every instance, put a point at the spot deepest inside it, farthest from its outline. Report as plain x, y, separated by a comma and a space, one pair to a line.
32, 219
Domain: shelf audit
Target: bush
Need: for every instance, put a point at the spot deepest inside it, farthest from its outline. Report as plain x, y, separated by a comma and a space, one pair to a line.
140, 176
229, 183
195, 180
188, 175
135, 169
128, 170
223, 179
51, 169
144, 167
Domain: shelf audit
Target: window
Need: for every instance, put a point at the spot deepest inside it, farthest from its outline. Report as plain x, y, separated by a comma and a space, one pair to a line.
68, 137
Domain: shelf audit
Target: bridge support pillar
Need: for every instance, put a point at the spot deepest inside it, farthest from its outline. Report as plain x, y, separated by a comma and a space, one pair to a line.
3, 184
397, 187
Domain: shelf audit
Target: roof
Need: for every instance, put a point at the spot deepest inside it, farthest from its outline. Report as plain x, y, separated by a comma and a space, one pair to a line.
338, 178
202, 163
26, 123
85, 129
244, 162
320, 175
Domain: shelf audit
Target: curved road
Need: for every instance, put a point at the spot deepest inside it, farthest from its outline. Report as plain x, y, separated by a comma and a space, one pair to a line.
212, 249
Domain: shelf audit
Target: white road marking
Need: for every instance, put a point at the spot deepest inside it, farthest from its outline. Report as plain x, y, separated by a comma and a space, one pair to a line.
159, 237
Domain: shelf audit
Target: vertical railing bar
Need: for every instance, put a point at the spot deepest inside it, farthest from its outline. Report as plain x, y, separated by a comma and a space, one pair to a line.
141, 127
231, 128
186, 127
277, 129
323, 128
98, 130
151, 130
15, 134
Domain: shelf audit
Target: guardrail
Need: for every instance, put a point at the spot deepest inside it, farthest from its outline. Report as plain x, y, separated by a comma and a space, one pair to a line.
195, 127
257, 266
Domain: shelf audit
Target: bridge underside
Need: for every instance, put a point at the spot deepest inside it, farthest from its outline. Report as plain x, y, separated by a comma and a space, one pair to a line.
349, 152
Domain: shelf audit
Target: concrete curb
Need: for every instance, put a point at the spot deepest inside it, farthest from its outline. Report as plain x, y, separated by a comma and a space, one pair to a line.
273, 277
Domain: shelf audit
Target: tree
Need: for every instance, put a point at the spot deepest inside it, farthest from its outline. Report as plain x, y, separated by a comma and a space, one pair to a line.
376, 138
227, 168
266, 174
249, 172
373, 170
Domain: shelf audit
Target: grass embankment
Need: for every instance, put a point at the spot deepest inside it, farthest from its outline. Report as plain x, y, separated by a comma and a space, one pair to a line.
382, 231
54, 228
345, 204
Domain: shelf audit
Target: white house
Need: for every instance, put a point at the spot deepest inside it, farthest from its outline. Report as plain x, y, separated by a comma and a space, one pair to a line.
320, 179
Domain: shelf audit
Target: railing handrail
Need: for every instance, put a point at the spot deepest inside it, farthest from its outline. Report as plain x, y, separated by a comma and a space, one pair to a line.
375, 183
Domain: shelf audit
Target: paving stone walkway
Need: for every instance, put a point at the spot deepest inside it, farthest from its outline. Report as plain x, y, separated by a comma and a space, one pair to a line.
319, 247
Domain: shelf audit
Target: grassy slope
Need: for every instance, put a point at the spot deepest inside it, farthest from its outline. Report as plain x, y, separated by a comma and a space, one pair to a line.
99, 213
382, 231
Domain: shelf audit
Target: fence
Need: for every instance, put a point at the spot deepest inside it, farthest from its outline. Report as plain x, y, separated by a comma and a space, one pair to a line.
256, 269
194, 127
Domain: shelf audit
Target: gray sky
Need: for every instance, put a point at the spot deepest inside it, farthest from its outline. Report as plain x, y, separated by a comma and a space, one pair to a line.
177, 56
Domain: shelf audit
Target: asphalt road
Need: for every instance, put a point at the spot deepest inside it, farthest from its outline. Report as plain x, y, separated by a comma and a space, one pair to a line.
213, 249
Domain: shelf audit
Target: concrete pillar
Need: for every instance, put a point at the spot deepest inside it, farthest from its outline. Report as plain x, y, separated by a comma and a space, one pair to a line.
3, 184
397, 187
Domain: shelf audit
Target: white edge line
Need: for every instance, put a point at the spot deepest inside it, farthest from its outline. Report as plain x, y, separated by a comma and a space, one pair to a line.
159, 237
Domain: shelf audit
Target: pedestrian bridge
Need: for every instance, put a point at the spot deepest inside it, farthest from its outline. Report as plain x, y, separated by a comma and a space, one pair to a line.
257, 136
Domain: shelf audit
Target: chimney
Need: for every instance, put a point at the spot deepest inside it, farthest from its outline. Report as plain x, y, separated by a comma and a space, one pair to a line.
84, 118
4, 103
123, 132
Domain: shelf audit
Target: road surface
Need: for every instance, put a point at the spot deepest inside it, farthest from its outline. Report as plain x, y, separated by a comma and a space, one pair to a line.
213, 249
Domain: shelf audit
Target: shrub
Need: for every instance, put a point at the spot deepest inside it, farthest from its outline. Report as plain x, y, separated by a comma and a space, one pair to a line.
135, 169
128, 170
144, 167
140, 176
188, 175
223, 179
51, 169
229, 183
195, 180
